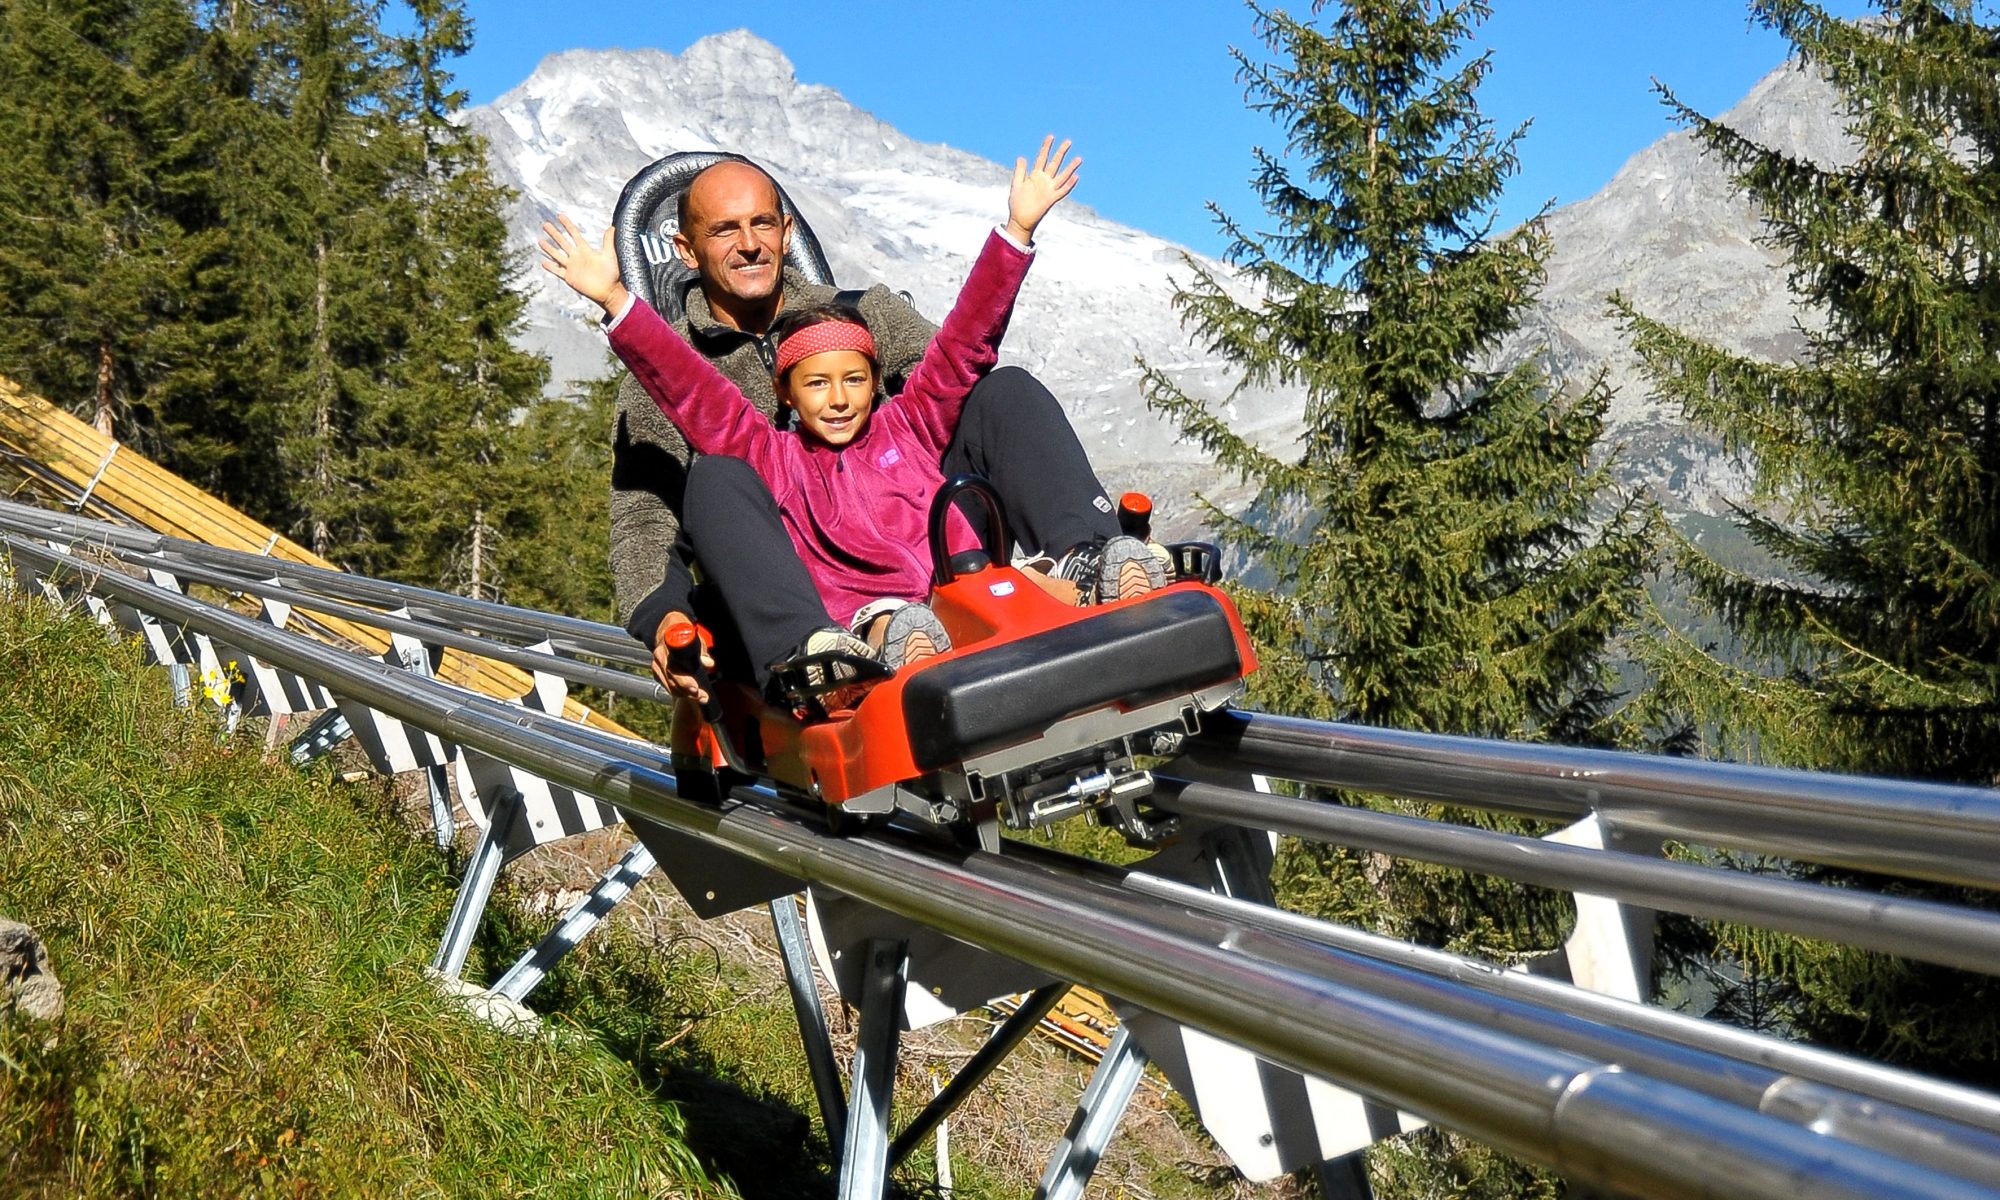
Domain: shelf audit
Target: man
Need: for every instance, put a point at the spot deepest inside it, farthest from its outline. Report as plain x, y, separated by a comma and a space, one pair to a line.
734, 234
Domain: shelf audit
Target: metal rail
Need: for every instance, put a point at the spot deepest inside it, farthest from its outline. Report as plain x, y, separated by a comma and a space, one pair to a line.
1920, 830
620, 683
1861, 1116
1939, 1098
1600, 1122
1947, 934
572, 635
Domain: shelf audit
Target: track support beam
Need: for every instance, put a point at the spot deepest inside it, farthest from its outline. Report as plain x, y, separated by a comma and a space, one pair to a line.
864, 1156
977, 1068
614, 885
476, 888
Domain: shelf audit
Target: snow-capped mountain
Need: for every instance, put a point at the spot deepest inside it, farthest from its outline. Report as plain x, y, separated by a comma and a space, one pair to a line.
1668, 232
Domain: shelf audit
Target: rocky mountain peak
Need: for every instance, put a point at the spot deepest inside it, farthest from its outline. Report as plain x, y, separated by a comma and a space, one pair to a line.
740, 57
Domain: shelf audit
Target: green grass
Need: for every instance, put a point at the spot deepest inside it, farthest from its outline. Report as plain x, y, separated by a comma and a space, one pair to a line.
240, 945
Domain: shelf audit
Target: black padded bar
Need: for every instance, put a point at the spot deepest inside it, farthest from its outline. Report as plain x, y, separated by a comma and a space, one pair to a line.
1175, 643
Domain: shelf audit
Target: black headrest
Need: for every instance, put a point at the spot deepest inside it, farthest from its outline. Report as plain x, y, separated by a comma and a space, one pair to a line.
649, 214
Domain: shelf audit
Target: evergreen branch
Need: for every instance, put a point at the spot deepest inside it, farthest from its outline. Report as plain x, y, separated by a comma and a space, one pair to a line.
1217, 436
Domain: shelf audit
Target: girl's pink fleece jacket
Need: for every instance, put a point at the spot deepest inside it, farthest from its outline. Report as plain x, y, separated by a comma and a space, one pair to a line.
856, 513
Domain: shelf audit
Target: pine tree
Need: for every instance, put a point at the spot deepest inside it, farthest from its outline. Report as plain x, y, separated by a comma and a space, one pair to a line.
256, 235
554, 539
104, 229
1444, 567
1449, 551
359, 229
1877, 481
446, 433
225, 433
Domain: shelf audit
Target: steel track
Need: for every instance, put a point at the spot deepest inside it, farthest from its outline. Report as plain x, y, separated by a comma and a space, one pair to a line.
1621, 1098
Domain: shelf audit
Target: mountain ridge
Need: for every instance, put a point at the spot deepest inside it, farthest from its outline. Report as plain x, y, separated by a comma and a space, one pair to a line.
1667, 231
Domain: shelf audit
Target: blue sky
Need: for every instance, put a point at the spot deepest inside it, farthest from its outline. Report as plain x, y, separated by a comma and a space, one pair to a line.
1149, 91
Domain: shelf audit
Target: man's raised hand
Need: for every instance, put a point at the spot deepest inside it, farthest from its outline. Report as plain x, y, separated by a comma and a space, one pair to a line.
1037, 190
592, 271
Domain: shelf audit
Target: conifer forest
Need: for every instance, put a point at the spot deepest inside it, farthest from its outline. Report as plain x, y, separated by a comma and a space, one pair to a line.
251, 241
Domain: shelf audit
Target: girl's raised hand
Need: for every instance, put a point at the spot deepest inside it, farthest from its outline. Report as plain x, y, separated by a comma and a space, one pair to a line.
1036, 191
591, 270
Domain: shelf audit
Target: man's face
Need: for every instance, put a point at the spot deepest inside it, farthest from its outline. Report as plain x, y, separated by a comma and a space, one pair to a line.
735, 235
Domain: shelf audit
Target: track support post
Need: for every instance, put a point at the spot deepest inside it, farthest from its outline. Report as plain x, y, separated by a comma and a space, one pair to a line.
864, 1156
183, 684
476, 887
1345, 1178
1103, 1104
791, 931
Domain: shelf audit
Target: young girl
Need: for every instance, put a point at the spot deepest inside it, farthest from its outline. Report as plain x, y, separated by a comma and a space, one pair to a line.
852, 485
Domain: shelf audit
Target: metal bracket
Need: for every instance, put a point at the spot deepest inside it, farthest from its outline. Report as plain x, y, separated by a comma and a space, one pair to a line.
90, 487
1611, 948
437, 779
318, 739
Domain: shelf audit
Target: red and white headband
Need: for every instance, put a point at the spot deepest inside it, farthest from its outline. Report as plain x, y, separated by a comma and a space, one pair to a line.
821, 337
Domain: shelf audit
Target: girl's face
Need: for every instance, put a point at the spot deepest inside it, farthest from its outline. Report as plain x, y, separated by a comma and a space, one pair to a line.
833, 392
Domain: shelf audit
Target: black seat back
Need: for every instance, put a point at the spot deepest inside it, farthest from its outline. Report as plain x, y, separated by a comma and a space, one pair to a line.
648, 215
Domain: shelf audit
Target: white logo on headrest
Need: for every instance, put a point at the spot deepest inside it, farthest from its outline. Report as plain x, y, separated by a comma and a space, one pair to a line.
658, 248
1003, 588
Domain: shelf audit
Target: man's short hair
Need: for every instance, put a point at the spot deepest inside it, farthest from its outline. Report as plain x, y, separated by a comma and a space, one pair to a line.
681, 201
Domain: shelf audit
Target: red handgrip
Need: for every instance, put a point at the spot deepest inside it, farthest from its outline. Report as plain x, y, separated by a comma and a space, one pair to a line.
683, 648
684, 642
1135, 515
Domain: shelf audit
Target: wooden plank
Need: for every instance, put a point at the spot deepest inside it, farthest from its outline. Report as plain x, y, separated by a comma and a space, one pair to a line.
162, 501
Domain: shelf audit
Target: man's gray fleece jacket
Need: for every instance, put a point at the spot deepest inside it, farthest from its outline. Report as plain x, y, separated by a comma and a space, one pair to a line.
649, 457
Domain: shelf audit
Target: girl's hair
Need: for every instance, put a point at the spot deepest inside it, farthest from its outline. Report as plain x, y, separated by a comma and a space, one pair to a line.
792, 321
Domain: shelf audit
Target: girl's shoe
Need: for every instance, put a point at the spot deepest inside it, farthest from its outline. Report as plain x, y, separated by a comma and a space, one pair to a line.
811, 669
1119, 568
829, 664
912, 635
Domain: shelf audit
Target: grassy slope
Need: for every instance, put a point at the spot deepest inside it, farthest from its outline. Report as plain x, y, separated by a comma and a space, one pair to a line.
239, 945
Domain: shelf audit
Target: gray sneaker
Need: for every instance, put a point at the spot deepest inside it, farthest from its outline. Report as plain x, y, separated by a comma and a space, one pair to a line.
1120, 568
913, 634
833, 640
